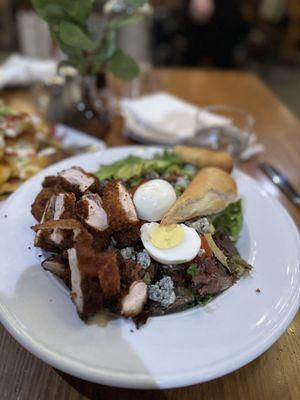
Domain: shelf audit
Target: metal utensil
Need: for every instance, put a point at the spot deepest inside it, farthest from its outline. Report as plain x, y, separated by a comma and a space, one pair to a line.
281, 181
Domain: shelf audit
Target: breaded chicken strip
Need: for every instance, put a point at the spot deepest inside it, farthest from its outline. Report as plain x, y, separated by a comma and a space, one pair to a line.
119, 206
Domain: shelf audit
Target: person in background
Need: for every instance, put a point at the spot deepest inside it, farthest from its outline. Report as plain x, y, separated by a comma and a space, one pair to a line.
214, 29
201, 10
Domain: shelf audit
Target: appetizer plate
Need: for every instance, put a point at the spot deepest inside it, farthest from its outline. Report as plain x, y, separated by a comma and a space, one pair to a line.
169, 351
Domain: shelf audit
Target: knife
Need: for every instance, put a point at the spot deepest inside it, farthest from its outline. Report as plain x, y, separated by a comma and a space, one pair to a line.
281, 181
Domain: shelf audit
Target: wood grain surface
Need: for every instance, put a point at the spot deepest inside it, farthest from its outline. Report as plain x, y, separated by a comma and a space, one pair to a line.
272, 376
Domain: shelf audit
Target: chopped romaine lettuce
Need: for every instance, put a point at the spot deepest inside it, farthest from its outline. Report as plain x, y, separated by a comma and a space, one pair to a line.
137, 167
192, 269
202, 300
230, 220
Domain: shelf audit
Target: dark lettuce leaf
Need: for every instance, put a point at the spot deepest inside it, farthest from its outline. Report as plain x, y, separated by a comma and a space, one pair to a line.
224, 242
211, 278
230, 220
238, 266
203, 300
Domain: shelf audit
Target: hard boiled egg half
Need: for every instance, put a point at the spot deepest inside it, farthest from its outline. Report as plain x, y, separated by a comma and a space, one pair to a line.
153, 199
170, 244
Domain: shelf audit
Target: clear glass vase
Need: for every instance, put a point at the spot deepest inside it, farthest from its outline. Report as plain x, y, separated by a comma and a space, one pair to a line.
91, 113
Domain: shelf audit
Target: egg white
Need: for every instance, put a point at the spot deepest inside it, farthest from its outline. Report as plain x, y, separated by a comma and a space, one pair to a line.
186, 251
153, 199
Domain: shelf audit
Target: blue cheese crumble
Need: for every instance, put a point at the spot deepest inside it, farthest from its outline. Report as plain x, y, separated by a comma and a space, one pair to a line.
201, 225
182, 182
143, 259
128, 253
163, 292
112, 244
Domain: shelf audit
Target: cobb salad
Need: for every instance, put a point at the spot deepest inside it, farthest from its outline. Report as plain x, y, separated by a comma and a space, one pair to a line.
143, 237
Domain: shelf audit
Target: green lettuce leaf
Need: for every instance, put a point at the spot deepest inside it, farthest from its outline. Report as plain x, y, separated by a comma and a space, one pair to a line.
202, 300
230, 220
192, 269
136, 167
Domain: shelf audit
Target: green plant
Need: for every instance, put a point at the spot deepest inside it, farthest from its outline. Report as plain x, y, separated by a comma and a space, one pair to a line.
90, 53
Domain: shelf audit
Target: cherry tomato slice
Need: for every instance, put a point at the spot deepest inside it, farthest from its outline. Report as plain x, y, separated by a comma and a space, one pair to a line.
205, 247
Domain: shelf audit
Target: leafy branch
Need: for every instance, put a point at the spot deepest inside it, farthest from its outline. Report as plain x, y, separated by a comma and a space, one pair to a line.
90, 53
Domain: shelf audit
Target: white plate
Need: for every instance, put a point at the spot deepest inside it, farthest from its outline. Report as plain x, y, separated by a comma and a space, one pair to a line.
170, 351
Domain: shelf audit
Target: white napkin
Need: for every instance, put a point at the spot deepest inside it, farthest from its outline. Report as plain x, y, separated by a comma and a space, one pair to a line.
165, 118
18, 70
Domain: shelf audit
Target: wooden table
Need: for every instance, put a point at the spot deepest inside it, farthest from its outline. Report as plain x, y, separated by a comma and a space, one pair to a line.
275, 374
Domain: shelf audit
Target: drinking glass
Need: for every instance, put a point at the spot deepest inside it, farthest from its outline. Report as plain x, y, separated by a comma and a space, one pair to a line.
231, 134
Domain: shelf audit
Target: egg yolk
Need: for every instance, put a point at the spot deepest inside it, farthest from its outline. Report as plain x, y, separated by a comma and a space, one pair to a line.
166, 236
